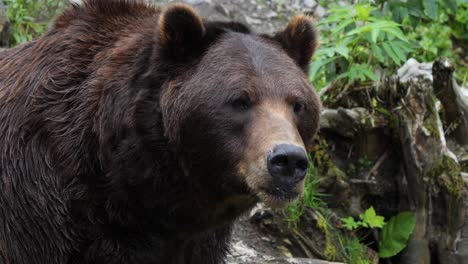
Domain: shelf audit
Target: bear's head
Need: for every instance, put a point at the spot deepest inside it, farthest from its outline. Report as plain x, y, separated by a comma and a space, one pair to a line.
239, 107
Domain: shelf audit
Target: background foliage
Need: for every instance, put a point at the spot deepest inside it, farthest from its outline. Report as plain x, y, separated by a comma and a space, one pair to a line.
29, 18
370, 39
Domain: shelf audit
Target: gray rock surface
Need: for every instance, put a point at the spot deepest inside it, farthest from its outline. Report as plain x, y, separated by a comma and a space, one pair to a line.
265, 16
251, 245
242, 253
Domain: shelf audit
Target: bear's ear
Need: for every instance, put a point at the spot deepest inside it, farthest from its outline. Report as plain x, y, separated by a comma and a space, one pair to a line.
299, 40
180, 28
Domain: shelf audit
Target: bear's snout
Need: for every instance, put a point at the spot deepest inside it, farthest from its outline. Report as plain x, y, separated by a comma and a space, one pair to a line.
287, 163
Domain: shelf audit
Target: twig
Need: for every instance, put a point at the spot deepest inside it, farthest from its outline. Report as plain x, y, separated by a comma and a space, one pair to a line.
311, 246
376, 166
363, 181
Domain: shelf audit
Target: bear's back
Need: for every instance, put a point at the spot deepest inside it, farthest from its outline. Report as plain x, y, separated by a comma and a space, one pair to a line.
50, 92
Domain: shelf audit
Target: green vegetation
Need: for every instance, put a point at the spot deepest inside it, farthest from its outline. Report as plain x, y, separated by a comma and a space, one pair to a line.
29, 18
369, 219
439, 28
370, 39
447, 173
354, 41
311, 198
353, 250
364, 43
395, 234
331, 252
393, 237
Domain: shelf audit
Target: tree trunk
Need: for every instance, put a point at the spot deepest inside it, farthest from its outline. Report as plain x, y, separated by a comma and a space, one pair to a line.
454, 101
436, 189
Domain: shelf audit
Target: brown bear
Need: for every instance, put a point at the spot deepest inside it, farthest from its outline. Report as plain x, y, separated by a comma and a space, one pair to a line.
133, 134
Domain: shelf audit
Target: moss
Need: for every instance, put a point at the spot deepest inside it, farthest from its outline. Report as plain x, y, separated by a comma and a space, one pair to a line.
325, 165
354, 252
430, 121
447, 173
330, 252
333, 170
464, 167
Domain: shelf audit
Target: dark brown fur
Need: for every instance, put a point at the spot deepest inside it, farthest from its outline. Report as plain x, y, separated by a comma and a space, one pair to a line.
118, 139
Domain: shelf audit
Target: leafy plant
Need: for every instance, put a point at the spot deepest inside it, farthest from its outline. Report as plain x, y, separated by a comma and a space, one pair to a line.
368, 219
356, 40
438, 27
354, 251
23, 25
361, 39
29, 18
394, 234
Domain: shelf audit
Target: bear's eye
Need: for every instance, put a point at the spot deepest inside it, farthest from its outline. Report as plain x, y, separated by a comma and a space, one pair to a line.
241, 104
298, 107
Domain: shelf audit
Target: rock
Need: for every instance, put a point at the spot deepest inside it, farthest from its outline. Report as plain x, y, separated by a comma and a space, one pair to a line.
242, 254
320, 12
253, 21
266, 16
310, 3
345, 122
413, 70
271, 14
196, 2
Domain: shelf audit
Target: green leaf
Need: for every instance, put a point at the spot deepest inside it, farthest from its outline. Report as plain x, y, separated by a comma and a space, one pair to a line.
317, 65
399, 13
362, 77
377, 52
328, 51
353, 72
430, 8
395, 234
405, 46
374, 102
341, 26
396, 32
363, 12
349, 223
372, 219
369, 74
342, 50
359, 30
343, 75
374, 34
399, 52
390, 53
452, 5
336, 15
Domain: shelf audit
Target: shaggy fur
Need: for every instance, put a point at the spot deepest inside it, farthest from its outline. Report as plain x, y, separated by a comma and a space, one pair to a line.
112, 145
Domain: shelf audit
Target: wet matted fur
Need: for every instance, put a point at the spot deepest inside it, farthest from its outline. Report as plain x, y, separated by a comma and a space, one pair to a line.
131, 134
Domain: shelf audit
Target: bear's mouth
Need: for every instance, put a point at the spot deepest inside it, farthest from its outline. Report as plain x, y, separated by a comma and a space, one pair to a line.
278, 197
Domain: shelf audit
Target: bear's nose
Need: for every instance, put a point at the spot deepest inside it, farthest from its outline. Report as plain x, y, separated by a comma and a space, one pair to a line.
288, 162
